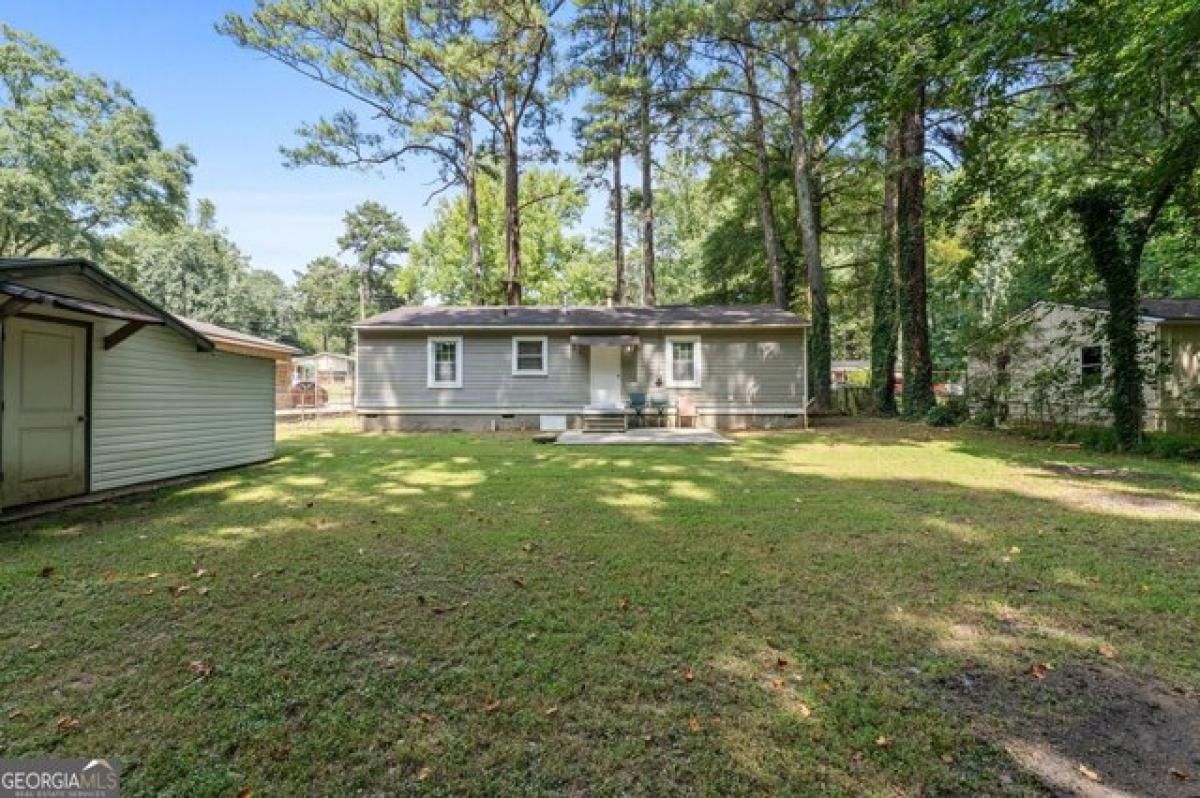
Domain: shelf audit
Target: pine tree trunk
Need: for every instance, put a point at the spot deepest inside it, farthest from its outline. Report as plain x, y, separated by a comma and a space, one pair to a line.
808, 201
618, 212
914, 321
474, 238
512, 193
649, 290
884, 322
766, 202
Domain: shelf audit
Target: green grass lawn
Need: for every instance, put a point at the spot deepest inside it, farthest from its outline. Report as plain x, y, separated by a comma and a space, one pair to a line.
866, 609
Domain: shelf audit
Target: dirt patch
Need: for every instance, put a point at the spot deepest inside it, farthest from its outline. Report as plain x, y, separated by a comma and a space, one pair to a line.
1121, 474
1087, 730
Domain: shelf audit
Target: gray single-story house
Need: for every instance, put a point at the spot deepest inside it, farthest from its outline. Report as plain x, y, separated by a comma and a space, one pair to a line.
487, 368
1053, 364
103, 389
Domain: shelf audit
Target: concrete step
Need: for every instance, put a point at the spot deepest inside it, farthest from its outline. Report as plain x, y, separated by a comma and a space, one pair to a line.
614, 422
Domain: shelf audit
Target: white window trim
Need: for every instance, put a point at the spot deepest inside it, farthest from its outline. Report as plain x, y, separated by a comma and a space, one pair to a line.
697, 351
430, 370
545, 369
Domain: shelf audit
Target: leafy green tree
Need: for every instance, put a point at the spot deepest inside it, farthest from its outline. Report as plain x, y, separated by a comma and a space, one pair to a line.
78, 157
376, 237
191, 269
327, 305
559, 267
410, 69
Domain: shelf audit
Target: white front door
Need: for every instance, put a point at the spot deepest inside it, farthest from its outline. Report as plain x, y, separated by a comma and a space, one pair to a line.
45, 401
606, 376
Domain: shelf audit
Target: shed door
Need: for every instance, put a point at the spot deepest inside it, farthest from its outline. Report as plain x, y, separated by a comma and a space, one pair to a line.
45, 401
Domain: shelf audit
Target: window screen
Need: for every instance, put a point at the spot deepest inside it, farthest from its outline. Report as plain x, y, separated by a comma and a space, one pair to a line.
530, 356
445, 361
683, 361
1091, 365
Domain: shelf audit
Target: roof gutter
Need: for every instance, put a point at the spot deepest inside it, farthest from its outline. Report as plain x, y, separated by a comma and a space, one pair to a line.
571, 327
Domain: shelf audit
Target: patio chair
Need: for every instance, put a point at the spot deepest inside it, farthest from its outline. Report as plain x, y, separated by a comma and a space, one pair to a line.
685, 411
637, 403
660, 404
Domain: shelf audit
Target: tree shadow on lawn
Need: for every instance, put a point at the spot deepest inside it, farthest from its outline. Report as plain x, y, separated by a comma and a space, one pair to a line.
649, 620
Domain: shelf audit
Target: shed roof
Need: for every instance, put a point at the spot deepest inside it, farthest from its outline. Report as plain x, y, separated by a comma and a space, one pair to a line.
578, 318
234, 341
206, 336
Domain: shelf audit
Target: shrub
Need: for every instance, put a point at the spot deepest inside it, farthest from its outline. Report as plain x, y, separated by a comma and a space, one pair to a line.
1165, 445
951, 413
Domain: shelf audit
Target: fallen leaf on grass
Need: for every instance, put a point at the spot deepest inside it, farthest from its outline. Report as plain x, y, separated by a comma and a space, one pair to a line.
1088, 772
1040, 670
492, 705
424, 773
1182, 775
883, 742
46, 572
694, 725
201, 669
69, 724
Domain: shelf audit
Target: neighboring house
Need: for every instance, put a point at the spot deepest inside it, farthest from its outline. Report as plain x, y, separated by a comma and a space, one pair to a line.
522, 367
850, 372
103, 389
1053, 364
324, 368
330, 371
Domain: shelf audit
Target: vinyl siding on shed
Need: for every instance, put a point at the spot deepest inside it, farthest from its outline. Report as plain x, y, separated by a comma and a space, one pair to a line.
160, 408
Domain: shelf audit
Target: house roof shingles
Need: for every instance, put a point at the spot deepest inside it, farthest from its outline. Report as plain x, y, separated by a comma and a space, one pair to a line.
1167, 309
578, 318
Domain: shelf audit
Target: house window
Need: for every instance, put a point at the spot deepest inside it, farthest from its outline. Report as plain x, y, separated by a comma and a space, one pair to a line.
683, 361
1091, 366
445, 363
529, 356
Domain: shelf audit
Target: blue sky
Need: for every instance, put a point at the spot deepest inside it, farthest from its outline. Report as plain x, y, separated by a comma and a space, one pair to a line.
234, 109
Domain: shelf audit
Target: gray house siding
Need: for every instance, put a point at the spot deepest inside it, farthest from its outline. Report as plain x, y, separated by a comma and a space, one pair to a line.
392, 372
744, 373
739, 369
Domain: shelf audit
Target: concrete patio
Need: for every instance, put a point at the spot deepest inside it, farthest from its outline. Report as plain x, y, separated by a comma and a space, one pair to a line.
643, 437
